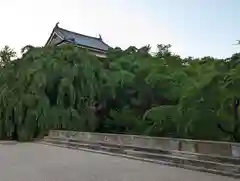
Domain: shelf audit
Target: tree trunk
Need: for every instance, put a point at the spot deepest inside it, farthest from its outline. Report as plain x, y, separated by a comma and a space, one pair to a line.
236, 125
236, 119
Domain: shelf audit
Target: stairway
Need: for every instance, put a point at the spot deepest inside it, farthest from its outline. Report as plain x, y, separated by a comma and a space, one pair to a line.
228, 166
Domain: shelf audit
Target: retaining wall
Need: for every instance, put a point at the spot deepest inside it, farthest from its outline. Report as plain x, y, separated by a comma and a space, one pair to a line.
194, 146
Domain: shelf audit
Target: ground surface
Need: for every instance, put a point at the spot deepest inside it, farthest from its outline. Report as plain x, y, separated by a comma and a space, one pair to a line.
37, 162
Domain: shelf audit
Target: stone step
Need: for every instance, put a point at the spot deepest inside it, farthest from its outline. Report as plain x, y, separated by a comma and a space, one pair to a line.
190, 167
179, 161
84, 145
186, 161
190, 155
214, 158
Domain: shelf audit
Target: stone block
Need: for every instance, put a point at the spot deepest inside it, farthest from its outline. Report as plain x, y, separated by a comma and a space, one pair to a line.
71, 134
214, 148
112, 139
62, 134
53, 133
188, 146
141, 141
236, 151
165, 144
81, 136
127, 140
97, 137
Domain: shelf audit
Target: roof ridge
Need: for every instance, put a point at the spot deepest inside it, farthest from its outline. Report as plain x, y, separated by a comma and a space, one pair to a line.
79, 34
81, 39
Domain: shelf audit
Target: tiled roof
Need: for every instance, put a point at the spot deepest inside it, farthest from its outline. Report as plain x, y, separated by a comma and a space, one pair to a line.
81, 39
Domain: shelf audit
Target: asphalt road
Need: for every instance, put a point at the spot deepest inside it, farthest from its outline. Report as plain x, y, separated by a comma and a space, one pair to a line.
37, 162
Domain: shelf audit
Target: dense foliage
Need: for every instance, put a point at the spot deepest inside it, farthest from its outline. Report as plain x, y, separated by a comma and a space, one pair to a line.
131, 91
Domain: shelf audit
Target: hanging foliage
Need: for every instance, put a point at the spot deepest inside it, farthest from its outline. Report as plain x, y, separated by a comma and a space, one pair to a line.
48, 88
131, 91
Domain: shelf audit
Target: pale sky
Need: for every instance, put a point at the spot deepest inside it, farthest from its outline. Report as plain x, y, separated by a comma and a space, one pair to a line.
193, 27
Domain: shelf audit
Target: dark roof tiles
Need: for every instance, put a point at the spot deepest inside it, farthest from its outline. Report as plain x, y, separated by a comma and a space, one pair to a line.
81, 39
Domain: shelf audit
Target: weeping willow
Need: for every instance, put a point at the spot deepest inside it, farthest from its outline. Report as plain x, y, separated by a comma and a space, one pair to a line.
48, 88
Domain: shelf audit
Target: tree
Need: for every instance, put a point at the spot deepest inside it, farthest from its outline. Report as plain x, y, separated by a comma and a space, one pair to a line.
131, 91
230, 106
163, 50
48, 89
26, 49
6, 54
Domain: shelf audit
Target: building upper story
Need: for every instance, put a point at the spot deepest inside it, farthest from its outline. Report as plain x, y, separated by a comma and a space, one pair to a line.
95, 45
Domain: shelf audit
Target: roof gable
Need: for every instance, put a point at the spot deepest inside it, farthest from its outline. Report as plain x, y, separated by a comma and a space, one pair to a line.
80, 39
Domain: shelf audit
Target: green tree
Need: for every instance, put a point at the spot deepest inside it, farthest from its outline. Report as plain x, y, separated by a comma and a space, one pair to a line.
6, 54
131, 91
50, 87
26, 49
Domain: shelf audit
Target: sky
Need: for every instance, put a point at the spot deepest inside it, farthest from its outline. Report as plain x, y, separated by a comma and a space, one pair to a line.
194, 28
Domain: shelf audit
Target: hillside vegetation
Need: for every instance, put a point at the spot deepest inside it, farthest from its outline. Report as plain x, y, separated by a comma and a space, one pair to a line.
131, 91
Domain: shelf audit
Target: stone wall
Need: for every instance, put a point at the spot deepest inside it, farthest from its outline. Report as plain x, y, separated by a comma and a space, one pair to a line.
194, 146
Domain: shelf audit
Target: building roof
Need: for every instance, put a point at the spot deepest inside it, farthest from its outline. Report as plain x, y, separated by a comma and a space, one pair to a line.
80, 39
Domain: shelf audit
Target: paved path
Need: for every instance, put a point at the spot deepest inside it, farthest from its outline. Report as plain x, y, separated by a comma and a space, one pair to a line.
37, 162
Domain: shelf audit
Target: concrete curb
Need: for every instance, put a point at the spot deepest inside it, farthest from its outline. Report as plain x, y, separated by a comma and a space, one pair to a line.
201, 169
220, 148
8, 142
199, 156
